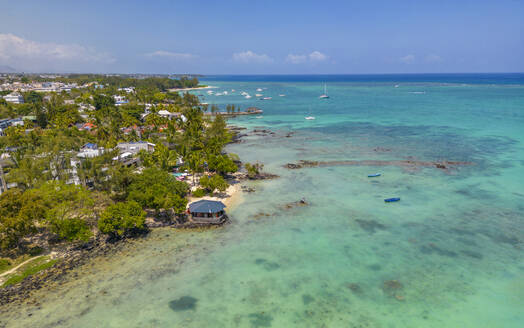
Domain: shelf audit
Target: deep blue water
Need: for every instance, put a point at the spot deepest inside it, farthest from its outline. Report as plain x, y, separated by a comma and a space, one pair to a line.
469, 78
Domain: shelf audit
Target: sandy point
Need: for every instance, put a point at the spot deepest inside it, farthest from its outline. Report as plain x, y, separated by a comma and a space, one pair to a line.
232, 197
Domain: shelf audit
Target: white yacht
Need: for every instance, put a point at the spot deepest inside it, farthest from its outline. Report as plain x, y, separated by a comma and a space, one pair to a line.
324, 95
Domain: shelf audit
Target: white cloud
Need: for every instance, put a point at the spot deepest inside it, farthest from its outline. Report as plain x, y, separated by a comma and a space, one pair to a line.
432, 58
168, 54
315, 56
408, 59
17, 49
251, 57
296, 59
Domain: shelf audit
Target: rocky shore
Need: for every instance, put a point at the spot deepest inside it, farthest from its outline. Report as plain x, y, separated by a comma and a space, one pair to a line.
71, 256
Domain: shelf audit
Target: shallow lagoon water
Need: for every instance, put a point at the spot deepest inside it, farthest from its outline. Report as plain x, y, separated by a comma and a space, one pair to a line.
449, 254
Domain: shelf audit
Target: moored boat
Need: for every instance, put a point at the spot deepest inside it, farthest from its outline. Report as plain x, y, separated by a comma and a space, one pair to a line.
391, 200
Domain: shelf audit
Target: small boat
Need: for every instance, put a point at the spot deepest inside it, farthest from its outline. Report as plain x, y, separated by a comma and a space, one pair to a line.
374, 175
324, 95
309, 116
247, 96
391, 200
259, 90
281, 95
267, 98
258, 95
396, 85
259, 117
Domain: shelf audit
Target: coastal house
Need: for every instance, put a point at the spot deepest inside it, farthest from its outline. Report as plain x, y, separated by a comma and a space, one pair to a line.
14, 98
90, 150
127, 90
167, 114
135, 147
207, 211
85, 126
120, 100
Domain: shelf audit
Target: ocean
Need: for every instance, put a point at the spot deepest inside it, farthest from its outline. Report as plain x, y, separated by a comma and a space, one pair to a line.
448, 254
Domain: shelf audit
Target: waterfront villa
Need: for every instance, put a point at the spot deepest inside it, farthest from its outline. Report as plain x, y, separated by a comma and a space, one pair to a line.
207, 211
14, 98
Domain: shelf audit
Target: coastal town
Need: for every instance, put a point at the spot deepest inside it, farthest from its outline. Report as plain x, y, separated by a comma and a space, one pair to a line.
99, 158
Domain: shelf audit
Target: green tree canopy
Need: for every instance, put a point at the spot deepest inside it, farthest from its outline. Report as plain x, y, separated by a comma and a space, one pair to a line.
121, 218
157, 189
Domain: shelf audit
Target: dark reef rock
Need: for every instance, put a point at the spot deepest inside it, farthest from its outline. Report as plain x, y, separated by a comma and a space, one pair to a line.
370, 226
184, 303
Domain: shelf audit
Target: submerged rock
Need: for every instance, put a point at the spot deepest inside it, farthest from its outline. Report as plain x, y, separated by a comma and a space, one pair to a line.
260, 319
370, 226
393, 288
184, 303
354, 287
306, 299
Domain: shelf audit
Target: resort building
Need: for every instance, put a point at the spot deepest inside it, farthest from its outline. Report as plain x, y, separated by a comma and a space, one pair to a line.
135, 147
207, 211
14, 98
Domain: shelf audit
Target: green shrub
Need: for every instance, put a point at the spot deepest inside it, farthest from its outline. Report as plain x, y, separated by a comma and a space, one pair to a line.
34, 251
199, 193
4, 264
121, 218
215, 182
253, 169
71, 229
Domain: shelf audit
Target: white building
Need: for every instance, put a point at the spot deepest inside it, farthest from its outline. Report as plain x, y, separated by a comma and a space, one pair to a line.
168, 114
14, 98
119, 100
127, 90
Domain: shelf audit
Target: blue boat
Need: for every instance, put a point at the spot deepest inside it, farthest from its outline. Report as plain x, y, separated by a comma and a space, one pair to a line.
374, 175
391, 200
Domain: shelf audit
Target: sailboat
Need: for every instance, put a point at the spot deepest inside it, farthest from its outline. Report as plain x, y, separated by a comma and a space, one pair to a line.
309, 117
324, 95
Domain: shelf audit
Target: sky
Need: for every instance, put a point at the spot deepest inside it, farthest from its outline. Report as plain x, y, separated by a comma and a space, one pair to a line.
262, 37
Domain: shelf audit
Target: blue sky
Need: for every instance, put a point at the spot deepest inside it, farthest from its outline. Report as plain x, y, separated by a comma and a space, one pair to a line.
263, 37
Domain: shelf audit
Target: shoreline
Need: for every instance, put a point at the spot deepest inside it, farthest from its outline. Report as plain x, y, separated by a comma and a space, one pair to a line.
190, 89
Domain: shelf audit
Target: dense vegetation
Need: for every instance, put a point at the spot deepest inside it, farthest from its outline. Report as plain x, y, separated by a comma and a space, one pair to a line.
108, 196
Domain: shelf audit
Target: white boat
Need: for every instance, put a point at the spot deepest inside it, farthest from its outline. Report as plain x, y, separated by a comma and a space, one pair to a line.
267, 98
309, 117
324, 95
258, 95
225, 92
281, 95
210, 92
258, 117
259, 89
247, 96
396, 85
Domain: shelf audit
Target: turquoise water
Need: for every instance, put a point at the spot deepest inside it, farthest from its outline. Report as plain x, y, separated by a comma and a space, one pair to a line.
449, 254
